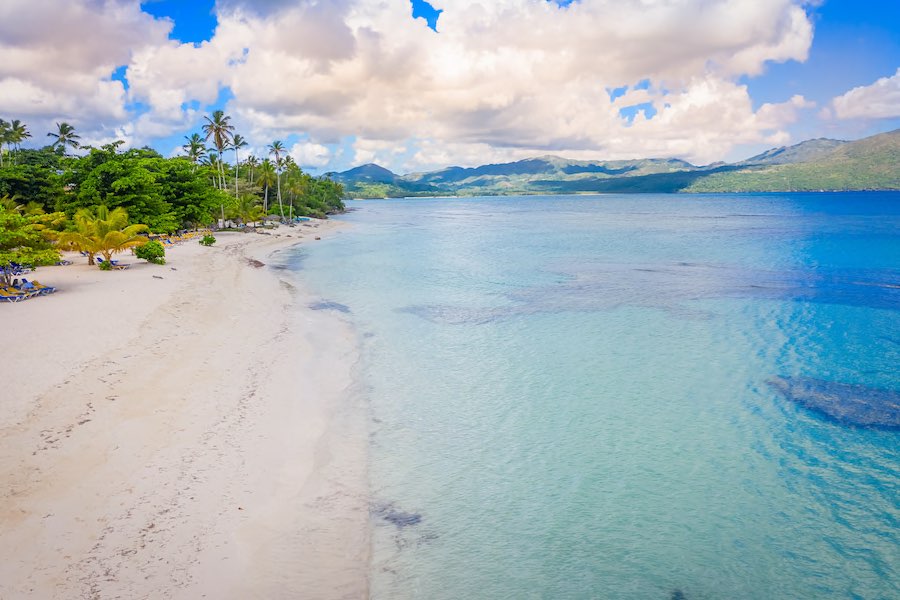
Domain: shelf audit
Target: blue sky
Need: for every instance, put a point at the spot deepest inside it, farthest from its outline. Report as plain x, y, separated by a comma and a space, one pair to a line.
417, 85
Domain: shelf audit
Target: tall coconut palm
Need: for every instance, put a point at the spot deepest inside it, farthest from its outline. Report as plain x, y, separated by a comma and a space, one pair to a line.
267, 177
65, 136
195, 148
219, 128
105, 232
277, 149
4, 137
18, 132
252, 162
210, 160
237, 142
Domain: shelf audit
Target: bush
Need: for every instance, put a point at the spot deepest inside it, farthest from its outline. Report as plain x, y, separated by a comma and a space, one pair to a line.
105, 265
208, 240
153, 251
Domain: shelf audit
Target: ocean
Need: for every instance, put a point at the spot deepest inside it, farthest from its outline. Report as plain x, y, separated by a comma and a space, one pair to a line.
626, 396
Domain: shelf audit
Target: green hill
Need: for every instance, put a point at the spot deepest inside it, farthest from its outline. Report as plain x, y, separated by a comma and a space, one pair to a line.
872, 163
869, 164
803, 152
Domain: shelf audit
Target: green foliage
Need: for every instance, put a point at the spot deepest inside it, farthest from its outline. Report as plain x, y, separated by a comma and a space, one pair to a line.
103, 231
166, 194
868, 164
26, 240
35, 177
153, 251
105, 266
208, 240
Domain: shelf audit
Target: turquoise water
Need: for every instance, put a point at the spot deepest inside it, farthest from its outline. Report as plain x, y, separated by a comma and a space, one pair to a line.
569, 397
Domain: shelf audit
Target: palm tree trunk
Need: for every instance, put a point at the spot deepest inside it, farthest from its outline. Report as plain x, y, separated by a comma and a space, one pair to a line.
266, 200
280, 205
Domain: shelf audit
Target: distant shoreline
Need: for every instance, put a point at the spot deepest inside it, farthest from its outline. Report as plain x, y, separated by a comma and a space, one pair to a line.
574, 194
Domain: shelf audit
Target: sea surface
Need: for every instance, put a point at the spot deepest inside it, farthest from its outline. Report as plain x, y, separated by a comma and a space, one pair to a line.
626, 397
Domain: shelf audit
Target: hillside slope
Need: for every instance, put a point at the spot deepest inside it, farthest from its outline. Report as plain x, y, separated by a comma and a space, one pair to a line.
872, 163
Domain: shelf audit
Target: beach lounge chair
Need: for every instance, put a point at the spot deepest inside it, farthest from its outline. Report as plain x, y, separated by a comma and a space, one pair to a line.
9, 294
7, 297
37, 287
114, 263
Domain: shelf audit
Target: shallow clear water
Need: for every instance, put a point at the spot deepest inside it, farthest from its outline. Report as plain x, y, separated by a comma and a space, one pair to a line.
569, 396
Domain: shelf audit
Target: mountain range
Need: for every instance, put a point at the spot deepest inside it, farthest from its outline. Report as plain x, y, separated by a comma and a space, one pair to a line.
872, 163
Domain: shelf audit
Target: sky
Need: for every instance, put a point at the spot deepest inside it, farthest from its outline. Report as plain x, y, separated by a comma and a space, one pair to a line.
416, 85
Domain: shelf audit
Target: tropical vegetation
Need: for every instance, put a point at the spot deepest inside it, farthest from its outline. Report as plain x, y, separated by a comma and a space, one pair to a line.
153, 251
102, 200
26, 240
103, 231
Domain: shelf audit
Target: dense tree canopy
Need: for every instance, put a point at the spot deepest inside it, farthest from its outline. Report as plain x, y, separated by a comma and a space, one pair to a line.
166, 194
26, 240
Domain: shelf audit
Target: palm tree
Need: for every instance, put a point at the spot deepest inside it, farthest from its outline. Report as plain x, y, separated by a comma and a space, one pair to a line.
4, 137
237, 142
247, 209
195, 148
18, 132
277, 148
31, 208
251, 162
106, 232
219, 128
267, 177
65, 136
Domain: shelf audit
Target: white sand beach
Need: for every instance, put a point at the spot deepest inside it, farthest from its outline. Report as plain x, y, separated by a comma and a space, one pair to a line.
181, 431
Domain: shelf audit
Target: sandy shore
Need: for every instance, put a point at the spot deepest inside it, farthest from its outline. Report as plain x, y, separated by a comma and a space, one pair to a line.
181, 431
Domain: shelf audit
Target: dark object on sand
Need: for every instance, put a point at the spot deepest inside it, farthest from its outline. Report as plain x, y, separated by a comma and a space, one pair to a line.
255, 263
845, 403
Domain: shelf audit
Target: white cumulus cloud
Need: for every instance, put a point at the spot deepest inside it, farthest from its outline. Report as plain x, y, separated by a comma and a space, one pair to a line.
309, 154
59, 57
502, 79
880, 100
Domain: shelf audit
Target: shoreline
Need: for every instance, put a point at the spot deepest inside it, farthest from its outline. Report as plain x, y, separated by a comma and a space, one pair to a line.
184, 436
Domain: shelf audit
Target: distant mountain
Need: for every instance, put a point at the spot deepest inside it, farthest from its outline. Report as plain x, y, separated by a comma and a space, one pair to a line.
370, 173
821, 164
872, 163
803, 152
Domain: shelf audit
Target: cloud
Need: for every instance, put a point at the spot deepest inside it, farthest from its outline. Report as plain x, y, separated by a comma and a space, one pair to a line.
880, 100
501, 79
58, 61
310, 155
517, 74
